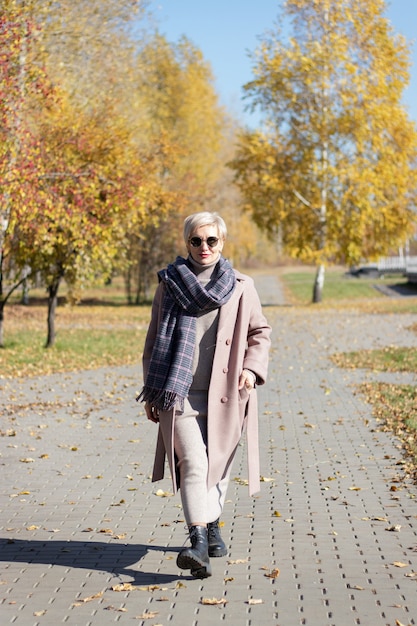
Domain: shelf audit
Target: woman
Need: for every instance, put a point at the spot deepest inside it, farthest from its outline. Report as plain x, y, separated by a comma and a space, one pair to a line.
207, 346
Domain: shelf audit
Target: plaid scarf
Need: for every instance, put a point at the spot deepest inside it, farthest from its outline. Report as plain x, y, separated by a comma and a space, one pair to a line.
170, 371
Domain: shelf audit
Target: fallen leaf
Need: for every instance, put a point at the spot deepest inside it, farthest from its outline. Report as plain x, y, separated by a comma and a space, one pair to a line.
276, 514
394, 529
39, 613
88, 599
255, 601
151, 588
273, 573
213, 601
355, 488
147, 615
123, 587
238, 561
163, 494
400, 564
27, 460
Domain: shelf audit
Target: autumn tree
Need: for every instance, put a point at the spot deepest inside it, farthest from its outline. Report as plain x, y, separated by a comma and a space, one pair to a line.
333, 172
176, 86
91, 177
23, 85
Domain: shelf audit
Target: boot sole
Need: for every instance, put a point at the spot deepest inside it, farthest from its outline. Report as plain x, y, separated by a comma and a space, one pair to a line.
198, 568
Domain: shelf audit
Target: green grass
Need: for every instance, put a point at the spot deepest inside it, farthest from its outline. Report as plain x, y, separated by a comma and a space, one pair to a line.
389, 359
340, 290
393, 406
87, 337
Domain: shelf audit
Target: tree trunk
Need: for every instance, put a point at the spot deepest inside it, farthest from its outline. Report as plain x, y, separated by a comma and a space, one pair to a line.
52, 304
318, 284
1, 323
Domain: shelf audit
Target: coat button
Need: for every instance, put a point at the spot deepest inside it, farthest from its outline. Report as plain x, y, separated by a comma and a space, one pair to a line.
225, 370
228, 342
224, 399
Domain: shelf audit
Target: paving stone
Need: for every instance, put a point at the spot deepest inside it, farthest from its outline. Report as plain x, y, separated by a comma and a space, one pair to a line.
85, 539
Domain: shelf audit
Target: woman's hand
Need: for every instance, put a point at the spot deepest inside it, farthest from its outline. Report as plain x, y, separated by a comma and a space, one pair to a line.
247, 379
152, 413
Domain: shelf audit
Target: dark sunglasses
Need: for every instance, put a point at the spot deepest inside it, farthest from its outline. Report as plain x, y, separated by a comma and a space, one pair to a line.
197, 241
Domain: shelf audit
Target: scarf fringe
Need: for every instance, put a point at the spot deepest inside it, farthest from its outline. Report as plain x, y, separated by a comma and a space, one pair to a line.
162, 400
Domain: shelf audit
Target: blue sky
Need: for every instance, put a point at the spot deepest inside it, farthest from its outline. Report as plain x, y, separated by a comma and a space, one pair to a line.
225, 30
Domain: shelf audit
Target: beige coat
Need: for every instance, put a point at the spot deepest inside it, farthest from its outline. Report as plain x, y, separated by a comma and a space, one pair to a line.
243, 341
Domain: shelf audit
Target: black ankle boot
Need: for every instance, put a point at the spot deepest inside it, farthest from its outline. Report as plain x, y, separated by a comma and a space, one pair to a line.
196, 558
216, 545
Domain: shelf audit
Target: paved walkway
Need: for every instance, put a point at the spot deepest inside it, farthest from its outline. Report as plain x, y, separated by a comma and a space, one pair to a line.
87, 539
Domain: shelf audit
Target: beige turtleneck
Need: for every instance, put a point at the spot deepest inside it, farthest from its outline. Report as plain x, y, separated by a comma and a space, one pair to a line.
206, 333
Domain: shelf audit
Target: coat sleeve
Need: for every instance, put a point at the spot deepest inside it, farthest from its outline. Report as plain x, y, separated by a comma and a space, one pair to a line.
258, 338
152, 329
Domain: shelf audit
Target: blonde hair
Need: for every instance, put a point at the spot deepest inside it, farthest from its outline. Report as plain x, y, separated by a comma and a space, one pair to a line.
204, 218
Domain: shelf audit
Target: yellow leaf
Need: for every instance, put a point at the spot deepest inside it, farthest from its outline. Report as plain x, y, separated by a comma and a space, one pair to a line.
213, 601
163, 494
89, 598
400, 564
124, 587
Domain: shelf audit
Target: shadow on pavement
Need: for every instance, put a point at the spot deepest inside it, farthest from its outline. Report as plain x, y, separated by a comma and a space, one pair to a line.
91, 555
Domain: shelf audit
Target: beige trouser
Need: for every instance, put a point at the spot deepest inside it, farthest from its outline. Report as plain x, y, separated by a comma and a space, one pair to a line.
200, 505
